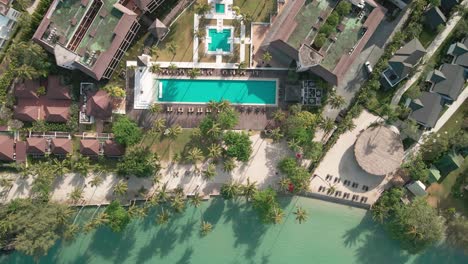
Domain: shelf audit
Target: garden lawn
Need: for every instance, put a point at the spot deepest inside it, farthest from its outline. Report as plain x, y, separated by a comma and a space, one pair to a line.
427, 36
456, 120
166, 147
259, 9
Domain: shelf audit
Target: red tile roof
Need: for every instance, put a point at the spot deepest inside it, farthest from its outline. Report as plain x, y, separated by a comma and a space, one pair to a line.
89, 147
28, 113
27, 89
20, 151
6, 148
113, 149
36, 145
61, 146
99, 105
56, 89
57, 113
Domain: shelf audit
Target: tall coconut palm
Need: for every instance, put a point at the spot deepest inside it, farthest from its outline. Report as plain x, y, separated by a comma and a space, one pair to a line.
163, 195
196, 132
301, 215
81, 165
336, 101
120, 188
295, 145
279, 116
214, 131
196, 200
229, 165
348, 124
210, 172
163, 217
194, 155
174, 132
136, 211
70, 232
61, 167
205, 228
284, 183
327, 125
276, 134
155, 68
215, 151
96, 181
230, 190
76, 195
178, 204
224, 104
154, 200
212, 105
159, 124
249, 189
176, 157
172, 47
267, 57
277, 215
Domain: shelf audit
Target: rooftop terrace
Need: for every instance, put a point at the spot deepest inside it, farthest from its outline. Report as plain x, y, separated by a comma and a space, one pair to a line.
67, 16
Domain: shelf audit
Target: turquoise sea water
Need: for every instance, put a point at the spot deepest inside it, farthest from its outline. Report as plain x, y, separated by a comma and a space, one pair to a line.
219, 8
202, 91
219, 40
333, 234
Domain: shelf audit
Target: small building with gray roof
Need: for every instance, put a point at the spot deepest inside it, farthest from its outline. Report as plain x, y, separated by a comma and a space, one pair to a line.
448, 81
426, 109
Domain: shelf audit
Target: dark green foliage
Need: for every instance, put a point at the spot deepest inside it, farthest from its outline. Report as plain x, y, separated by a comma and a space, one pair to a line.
343, 8
333, 19
140, 163
238, 145
228, 118
326, 29
118, 216
32, 227
388, 202
298, 175
27, 60
230, 190
126, 132
457, 230
416, 226
417, 169
319, 41
266, 204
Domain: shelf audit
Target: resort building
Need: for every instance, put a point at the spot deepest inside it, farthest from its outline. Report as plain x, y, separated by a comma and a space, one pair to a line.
12, 150
448, 81
417, 188
90, 147
47, 99
426, 109
8, 19
113, 149
459, 52
302, 33
402, 63
61, 146
434, 18
36, 146
91, 35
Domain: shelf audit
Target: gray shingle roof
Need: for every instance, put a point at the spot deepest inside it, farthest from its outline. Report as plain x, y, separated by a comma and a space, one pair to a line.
407, 57
453, 83
428, 114
434, 17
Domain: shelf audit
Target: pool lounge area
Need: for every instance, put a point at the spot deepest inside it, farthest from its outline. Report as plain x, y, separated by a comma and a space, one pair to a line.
240, 92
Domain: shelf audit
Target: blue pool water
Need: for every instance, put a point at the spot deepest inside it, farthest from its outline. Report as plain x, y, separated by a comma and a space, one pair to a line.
203, 91
219, 40
219, 8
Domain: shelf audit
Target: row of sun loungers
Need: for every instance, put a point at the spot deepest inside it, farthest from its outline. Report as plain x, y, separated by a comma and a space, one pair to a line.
340, 194
198, 110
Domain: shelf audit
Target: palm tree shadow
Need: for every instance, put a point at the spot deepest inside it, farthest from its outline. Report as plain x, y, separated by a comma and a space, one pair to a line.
213, 213
186, 257
187, 230
162, 243
352, 236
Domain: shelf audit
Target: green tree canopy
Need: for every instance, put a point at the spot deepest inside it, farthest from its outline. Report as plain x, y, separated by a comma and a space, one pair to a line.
238, 145
417, 169
343, 8
28, 60
117, 215
457, 231
140, 162
298, 175
267, 206
416, 225
126, 132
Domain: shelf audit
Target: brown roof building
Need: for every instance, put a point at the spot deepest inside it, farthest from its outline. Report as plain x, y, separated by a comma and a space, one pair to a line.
27, 89
36, 146
7, 150
113, 149
99, 105
58, 114
102, 32
61, 146
89, 147
56, 89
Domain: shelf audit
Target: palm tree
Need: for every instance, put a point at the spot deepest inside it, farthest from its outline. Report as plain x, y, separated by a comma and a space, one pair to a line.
155, 108
295, 145
159, 124
195, 155
249, 190
120, 188
163, 195
229, 165
163, 217
196, 200
71, 231
194, 73
267, 57
76, 195
155, 68
205, 228
279, 116
178, 204
176, 157
81, 165
154, 51
224, 104
214, 131
242, 65
172, 47
172, 67
212, 105
276, 134
230, 190
210, 172
236, 9
174, 132
336, 101
301, 215
196, 132
327, 125
348, 124
136, 211
61, 167
96, 181
154, 200
284, 183
277, 215
202, 8
215, 151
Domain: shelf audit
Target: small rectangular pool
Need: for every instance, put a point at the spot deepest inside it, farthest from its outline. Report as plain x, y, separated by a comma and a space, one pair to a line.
219, 8
219, 40
262, 92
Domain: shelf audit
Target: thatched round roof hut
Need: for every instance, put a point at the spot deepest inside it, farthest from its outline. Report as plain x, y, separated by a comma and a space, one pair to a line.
379, 150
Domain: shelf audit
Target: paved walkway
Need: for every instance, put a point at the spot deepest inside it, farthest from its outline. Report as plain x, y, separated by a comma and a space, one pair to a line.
33, 7
176, 11
430, 51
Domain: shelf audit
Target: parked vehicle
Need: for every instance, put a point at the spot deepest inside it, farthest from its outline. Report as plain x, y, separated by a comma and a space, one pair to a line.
368, 67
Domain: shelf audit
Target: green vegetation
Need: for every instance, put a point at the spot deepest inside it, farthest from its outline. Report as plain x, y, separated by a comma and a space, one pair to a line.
260, 11
297, 175
238, 145
126, 131
117, 216
140, 163
267, 206
341, 10
417, 169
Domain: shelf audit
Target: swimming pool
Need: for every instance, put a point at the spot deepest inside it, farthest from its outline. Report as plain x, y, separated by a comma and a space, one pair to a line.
258, 92
219, 8
219, 40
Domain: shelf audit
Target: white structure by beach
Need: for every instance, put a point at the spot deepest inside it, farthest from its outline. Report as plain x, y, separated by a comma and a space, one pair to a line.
8, 19
417, 188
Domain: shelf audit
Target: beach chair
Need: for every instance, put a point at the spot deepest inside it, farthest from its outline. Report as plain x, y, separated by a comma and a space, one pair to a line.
190, 110
180, 110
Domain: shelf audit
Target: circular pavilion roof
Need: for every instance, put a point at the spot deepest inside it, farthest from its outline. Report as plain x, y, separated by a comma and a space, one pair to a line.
379, 150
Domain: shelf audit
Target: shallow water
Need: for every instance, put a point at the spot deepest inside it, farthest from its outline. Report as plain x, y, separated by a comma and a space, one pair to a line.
333, 234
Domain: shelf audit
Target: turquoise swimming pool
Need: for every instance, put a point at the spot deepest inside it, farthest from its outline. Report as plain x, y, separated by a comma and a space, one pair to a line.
202, 91
219, 8
219, 40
